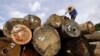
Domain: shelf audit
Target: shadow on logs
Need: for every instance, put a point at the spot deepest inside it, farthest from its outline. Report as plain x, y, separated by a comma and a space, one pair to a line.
95, 48
28, 50
1, 33
74, 47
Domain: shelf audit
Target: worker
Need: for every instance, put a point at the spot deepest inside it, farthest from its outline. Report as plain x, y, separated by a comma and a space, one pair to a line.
72, 12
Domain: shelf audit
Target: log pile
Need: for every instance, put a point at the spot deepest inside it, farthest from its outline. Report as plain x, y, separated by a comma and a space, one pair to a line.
58, 36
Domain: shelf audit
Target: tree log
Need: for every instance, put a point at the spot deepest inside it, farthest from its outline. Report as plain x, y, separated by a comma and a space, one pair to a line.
55, 20
21, 34
9, 25
94, 36
74, 47
46, 40
9, 48
96, 49
87, 28
70, 29
32, 21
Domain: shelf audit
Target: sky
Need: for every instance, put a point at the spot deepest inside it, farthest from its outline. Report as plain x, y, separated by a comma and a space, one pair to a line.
88, 10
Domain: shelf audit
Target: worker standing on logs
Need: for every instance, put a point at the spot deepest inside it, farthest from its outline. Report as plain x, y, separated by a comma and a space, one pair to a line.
72, 12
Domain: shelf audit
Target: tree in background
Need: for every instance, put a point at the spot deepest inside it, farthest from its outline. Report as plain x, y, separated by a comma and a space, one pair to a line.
97, 27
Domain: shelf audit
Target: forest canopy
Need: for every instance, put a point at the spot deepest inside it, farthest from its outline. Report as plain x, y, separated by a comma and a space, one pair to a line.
97, 27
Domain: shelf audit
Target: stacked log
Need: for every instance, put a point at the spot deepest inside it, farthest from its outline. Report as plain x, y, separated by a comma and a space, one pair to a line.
9, 48
55, 21
58, 36
97, 49
94, 41
87, 28
21, 34
94, 36
74, 47
71, 29
46, 40
32, 21
7, 28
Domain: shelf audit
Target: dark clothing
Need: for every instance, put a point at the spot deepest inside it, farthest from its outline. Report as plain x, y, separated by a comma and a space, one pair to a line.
73, 14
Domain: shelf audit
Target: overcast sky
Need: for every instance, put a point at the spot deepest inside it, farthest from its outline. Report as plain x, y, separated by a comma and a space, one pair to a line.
88, 10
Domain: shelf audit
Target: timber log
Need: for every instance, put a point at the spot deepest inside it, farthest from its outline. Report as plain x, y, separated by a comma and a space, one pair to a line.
32, 21
9, 48
21, 34
46, 40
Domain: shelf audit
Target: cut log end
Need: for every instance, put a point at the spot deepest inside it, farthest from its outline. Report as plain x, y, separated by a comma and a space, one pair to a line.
46, 40
9, 25
71, 29
32, 21
21, 34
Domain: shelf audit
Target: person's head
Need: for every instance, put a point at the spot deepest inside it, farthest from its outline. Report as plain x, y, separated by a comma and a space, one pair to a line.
70, 8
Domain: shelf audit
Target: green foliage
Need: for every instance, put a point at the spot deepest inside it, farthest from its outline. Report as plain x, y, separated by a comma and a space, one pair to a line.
97, 27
